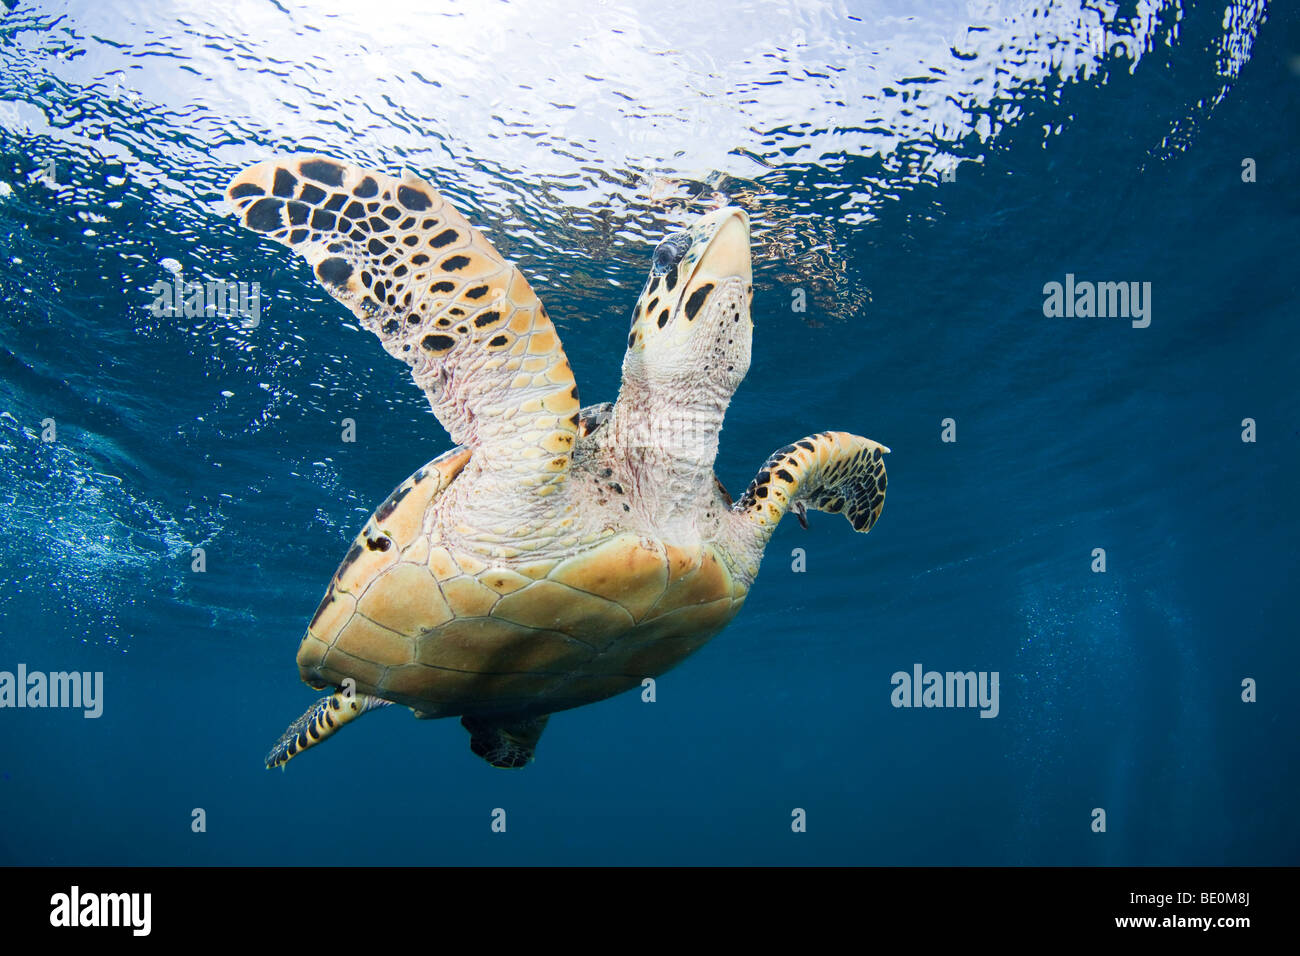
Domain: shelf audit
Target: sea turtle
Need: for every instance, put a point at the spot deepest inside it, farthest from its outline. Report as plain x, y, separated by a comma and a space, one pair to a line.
558, 555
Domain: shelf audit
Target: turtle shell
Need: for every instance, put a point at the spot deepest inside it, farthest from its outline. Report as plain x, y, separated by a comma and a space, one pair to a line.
446, 633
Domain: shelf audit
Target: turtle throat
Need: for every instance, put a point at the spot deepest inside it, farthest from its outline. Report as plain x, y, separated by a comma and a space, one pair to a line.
666, 447
688, 350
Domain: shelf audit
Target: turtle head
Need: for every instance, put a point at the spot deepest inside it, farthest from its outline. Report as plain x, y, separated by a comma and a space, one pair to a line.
691, 330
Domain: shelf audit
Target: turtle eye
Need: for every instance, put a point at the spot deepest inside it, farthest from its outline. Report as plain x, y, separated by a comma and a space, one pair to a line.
669, 252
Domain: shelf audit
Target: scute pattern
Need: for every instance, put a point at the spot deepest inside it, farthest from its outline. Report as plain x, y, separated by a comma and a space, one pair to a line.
834, 472
446, 633
438, 295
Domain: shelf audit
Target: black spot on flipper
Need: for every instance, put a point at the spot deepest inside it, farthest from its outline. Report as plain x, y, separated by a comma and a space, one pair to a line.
355, 211
454, 263
487, 318
247, 189
412, 198
312, 194
390, 327
285, 183
322, 220
366, 188
444, 238
437, 343
497, 341
390, 213
298, 214
671, 279
443, 286
807, 445
380, 543
334, 271
297, 236
323, 171
477, 292
697, 299
663, 319
264, 215
335, 203
785, 475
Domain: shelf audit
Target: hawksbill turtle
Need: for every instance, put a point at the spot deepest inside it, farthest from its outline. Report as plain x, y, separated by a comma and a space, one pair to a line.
558, 555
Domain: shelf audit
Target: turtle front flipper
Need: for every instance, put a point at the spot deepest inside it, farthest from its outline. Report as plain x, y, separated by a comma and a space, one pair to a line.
440, 298
508, 744
321, 721
831, 471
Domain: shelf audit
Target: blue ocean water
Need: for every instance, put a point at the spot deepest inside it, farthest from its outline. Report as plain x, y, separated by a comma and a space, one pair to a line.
916, 174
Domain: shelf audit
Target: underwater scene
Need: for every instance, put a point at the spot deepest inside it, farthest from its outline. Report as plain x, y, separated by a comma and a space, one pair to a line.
857, 432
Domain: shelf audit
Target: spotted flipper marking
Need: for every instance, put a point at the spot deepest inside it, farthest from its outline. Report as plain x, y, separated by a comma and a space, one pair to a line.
508, 745
322, 720
832, 471
438, 295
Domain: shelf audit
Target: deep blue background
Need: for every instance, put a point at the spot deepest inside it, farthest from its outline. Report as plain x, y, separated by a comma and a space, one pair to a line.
1119, 690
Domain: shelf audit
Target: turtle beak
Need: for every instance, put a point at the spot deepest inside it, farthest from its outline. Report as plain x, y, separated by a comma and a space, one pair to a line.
728, 254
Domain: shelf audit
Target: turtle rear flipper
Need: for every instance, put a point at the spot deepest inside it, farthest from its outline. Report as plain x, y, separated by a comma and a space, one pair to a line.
439, 296
508, 744
834, 472
322, 720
